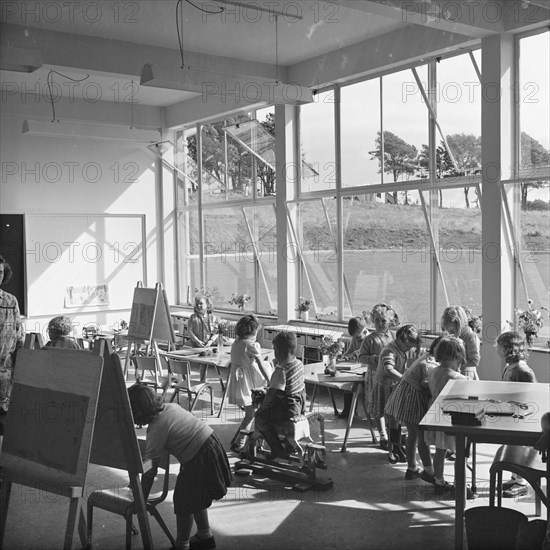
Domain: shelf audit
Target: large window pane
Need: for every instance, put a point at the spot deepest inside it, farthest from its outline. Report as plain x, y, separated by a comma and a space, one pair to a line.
459, 247
316, 235
385, 257
318, 143
189, 245
405, 126
360, 124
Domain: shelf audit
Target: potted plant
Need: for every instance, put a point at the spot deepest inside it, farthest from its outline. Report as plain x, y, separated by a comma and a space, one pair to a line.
332, 348
303, 308
239, 300
530, 321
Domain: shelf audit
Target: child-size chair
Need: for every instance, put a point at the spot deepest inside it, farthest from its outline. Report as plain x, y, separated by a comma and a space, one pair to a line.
120, 501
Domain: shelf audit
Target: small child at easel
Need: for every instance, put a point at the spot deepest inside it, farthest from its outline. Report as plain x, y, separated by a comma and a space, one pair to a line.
247, 373
383, 317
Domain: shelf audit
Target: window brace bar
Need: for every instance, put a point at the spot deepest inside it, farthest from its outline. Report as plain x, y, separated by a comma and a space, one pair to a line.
434, 247
301, 256
346, 288
476, 66
251, 151
434, 116
257, 257
509, 226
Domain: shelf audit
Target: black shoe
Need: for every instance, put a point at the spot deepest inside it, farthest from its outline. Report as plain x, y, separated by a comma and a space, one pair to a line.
413, 474
195, 543
428, 478
383, 444
343, 413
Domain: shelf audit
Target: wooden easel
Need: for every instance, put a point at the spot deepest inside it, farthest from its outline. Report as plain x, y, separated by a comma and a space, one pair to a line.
51, 456
107, 436
150, 321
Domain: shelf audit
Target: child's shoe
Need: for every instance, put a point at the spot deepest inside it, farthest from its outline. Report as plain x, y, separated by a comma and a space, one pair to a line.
383, 443
195, 543
413, 474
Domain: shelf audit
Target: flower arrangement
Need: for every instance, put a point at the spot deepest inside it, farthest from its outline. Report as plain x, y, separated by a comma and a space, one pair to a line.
239, 300
222, 326
303, 304
474, 321
530, 321
331, 347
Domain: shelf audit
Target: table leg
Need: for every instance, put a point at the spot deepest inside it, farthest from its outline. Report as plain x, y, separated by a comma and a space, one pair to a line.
351, 414
460, 490
313, 394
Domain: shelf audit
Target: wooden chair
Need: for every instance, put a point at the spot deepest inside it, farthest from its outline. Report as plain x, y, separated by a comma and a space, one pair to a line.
193, 388
523, 461
120, 501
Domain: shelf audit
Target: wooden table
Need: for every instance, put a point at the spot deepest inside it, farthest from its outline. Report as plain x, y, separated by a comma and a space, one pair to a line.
219, 360
525, 429
349, 380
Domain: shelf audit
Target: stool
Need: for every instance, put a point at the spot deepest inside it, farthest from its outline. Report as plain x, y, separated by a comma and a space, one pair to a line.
523, 461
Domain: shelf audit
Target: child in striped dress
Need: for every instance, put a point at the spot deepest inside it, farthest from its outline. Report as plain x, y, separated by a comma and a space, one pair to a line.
383, 317
286, 395
407, 405
391, 366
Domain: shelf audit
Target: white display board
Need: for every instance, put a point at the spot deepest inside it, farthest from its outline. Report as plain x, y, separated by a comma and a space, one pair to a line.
79, 262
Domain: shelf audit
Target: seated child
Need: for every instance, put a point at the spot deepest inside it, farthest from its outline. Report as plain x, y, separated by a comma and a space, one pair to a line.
512, 348
247, 373
59, 332
286, 396
357, 327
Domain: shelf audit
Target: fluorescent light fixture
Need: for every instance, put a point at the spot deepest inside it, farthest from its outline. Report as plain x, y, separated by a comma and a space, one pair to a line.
20, 60
85, 130
239, 88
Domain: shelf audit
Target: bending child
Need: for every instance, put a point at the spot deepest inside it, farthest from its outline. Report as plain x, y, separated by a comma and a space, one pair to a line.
204, 475
451, 355
407, 405
391, 366
383, 317
247, 373
455, 321
286, 396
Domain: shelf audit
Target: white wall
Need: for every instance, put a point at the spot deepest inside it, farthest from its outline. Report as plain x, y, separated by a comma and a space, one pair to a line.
61, 176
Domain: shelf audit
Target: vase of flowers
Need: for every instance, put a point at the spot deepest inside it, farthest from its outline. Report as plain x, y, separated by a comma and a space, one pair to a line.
239, 300
222, 327
303, 308
332, 348
530, 321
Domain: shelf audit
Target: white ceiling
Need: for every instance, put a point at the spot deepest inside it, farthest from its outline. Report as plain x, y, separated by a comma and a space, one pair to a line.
112, 40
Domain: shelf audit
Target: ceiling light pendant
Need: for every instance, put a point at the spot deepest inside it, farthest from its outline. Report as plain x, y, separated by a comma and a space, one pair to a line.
247, 89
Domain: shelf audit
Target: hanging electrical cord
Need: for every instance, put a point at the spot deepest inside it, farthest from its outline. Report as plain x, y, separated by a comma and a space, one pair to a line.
277, 49
179, 22
49, 82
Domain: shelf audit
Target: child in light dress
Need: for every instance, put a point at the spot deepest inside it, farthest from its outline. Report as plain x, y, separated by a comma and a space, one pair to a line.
391, 366
455, 321
383, 317
511, 347
248, 372
205, 473
407, 405
450, 355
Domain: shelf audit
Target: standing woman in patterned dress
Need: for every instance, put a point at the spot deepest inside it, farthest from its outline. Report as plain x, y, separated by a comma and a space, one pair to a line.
11, 338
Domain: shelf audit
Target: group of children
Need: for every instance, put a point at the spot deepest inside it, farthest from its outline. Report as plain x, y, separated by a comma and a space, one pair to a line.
400, 385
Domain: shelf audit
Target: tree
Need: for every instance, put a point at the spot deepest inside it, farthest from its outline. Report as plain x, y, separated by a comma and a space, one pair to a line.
265, 173
443, 164
399, 157
532, 155
466, 149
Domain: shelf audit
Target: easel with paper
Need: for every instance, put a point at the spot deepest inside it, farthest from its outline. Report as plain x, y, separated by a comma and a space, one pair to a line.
85, 393
150, 322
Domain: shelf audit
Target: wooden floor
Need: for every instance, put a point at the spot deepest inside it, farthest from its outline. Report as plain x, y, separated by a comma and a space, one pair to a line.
371, 506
